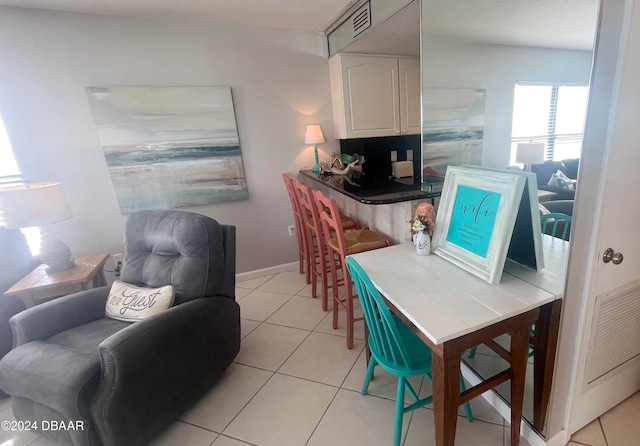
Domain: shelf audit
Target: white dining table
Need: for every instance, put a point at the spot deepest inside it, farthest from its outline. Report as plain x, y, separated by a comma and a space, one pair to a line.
452, 310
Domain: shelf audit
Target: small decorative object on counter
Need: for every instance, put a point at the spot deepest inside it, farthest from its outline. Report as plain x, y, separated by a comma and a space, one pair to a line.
345, 163
423, 244
422, 228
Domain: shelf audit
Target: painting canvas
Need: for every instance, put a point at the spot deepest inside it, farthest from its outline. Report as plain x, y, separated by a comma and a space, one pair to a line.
452, 128
169, 147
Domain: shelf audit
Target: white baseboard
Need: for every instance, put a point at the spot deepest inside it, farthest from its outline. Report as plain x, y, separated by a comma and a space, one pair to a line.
266, 271
503, 408
559, 439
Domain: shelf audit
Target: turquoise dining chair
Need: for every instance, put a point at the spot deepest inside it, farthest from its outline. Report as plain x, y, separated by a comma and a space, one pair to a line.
559, 224
394, 347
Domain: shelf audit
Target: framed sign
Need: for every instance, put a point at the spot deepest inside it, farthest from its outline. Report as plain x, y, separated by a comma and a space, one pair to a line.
476, 218
525, 247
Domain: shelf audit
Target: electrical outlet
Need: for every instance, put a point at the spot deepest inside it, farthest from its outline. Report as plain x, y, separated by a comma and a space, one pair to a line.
394, 156
292, 230
409, 155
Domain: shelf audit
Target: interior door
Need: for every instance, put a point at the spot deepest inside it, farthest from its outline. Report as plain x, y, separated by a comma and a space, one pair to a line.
601, 322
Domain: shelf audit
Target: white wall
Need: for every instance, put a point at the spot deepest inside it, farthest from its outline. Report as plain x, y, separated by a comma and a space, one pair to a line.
279, 81
497, 69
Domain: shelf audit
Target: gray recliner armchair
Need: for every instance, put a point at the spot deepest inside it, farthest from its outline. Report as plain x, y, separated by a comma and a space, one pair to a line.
123, 382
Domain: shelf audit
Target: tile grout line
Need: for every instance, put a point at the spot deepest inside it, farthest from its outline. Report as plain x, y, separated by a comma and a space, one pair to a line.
340, 386
604, 434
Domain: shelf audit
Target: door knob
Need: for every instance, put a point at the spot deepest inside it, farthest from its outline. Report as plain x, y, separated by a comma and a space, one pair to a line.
611, 256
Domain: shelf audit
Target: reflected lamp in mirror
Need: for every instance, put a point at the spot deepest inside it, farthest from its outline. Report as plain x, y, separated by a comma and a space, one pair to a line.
314, 136
39, 205
529, 153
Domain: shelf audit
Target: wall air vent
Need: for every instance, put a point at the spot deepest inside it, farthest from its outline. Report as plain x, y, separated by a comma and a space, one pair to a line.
615, 337
361, 19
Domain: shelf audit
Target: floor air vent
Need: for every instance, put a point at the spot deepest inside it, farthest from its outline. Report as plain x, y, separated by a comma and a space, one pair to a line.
616, 331
361, 19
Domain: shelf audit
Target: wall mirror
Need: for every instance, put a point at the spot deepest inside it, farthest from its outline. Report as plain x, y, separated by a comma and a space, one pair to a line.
480, 62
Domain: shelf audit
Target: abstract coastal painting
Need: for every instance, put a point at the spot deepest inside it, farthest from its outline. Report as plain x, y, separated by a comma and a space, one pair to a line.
169, 147
452, 128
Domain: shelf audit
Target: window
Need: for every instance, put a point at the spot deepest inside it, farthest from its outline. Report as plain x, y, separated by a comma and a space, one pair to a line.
9, 172
550, 114
10, 176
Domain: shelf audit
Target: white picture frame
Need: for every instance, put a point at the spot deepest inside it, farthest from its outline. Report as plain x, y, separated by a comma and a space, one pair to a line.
475, 219
525, 247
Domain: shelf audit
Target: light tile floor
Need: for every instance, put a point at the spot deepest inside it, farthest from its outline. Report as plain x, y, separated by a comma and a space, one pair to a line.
295, 383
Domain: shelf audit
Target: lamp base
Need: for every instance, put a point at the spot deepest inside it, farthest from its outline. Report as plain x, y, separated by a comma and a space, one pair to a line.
316, 168
53, 253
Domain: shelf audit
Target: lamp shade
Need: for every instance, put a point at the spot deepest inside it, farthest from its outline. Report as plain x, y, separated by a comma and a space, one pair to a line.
33, 205
530, 153
314, 135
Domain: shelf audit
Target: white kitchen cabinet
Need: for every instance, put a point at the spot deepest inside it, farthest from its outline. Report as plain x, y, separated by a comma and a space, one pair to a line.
366, 94
410, 106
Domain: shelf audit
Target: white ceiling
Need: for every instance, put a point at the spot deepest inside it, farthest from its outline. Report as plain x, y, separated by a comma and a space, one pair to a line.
566, 24
543, 23
316, 15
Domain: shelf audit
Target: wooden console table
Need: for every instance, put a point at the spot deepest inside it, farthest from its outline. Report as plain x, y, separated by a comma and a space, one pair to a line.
452, 311
38, 286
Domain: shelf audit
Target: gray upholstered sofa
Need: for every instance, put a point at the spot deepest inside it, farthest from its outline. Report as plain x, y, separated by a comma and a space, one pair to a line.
545, 170
124, 382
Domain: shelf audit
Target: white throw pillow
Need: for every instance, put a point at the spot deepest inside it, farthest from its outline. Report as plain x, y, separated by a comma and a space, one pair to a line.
133, 303
559, 179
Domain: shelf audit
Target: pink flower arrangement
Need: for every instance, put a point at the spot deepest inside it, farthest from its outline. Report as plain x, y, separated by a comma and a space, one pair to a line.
424, 219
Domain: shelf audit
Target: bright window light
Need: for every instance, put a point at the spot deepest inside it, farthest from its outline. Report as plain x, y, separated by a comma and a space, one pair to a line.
9, 168
8, 165
550, 114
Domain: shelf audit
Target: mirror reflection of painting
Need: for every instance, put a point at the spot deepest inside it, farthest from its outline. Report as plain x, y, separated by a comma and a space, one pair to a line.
452, 128
169, 147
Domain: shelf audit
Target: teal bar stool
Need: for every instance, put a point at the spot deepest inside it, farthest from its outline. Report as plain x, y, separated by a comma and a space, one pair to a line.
394, 347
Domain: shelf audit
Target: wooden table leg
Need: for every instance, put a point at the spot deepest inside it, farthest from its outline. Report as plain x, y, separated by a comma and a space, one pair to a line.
545, 340
446, 393
519, 354
99, 279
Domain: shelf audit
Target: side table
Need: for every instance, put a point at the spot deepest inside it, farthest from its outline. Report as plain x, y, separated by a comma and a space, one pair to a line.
545, 195
38, 286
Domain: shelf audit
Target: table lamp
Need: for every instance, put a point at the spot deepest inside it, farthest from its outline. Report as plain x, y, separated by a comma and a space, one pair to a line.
314, 136
529, 153
39, 205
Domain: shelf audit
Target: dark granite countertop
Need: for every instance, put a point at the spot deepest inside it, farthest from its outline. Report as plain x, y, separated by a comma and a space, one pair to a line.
378, 189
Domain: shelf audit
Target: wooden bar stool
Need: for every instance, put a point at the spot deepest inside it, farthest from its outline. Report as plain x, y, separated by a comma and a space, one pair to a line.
316, 241
302, 254
339, 245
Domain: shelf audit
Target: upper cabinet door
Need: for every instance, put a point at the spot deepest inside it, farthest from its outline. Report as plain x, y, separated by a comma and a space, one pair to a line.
410, 107
365, 96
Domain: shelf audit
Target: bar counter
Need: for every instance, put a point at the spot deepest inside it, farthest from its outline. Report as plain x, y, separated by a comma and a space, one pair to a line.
378, 189
395, 200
